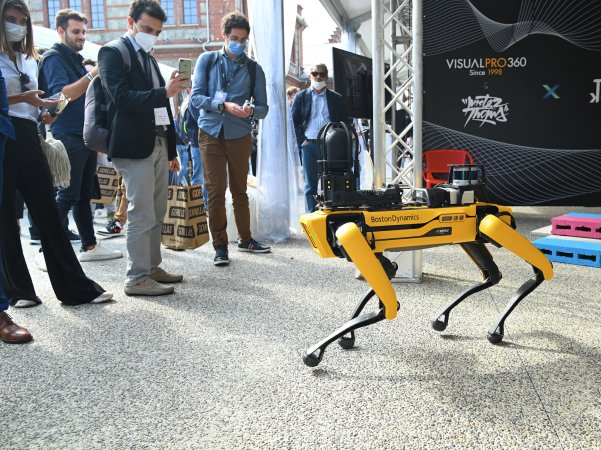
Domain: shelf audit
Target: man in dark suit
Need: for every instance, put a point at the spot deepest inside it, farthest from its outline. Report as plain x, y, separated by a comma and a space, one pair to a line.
312, 109
142, 142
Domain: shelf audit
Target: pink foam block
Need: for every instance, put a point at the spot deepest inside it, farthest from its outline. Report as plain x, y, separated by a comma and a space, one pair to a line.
577, 225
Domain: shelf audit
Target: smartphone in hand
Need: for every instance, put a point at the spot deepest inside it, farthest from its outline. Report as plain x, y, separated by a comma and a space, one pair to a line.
185, 67
57, 108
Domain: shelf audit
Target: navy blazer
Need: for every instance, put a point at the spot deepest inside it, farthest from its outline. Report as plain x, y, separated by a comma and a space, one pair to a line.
6, 125
301, 111
131, 102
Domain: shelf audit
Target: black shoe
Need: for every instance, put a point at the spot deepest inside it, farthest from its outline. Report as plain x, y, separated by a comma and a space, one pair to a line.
73, 236
253, 246
221, 256
112, 229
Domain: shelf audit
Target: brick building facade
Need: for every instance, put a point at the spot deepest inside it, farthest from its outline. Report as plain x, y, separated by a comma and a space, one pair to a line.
193, 26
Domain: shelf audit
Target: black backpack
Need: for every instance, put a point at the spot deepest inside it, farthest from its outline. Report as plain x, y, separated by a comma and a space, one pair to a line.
96, 126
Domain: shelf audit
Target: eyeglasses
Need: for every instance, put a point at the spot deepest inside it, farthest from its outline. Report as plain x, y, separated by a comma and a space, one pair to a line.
24, 80
320, 74
238, 40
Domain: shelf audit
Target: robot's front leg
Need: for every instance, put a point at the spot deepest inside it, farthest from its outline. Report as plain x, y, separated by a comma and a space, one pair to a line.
483, 259
377, 271
503, 235
496, 332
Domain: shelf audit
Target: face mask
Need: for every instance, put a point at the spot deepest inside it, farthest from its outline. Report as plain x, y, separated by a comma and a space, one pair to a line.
318, 85
236, 48
15, 32
145, 40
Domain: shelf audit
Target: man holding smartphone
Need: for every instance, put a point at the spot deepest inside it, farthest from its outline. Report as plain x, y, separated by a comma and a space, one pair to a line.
224, 83
142, 142
62, 73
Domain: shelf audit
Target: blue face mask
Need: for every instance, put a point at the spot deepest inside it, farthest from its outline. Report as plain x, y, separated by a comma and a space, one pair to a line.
236, 48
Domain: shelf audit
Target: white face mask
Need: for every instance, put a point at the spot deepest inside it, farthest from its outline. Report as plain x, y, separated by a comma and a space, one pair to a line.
145, 40
15, 32
318, 85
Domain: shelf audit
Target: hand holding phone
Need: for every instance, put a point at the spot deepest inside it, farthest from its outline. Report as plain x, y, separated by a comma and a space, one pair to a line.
61, 103
185, 67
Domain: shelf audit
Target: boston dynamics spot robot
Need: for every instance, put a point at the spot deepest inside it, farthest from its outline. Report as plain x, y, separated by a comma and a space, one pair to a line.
361, 225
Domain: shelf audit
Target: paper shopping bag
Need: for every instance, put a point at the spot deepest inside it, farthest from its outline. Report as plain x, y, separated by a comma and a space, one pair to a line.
108, 180
185, 223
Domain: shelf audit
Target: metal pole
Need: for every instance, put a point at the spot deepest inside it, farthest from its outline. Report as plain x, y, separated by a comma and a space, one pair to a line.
418, 90
377, 124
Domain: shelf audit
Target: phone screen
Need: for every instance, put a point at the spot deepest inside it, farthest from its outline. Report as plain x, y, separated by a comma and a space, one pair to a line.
185, 66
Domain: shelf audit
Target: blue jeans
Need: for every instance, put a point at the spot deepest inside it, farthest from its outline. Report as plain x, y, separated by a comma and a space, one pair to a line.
309, 159
3, 299
197, 168
79, 193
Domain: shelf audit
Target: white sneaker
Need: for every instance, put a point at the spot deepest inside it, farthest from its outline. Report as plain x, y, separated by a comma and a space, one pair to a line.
24, 303
104, 297
98, 253
40, 261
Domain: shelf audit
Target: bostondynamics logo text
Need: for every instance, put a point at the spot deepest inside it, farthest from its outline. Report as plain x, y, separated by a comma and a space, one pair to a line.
485, 109
394, 218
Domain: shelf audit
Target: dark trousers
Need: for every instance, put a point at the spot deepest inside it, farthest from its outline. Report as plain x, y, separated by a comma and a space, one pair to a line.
79, 193
3, 299
26, 169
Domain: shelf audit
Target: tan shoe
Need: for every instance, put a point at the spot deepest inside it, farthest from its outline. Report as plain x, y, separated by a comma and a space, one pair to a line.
162, 276
148, 287
10, 332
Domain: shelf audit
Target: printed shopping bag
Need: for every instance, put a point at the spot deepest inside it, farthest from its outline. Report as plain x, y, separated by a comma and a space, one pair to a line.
185, 223
108, 181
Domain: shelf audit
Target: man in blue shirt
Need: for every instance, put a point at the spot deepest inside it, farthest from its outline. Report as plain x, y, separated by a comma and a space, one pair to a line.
312, 109
62, 70
222, 93
10, 332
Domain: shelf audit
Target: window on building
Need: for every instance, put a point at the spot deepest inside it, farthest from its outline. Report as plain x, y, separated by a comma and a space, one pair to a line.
167, 6
75, 4
190, 11
203, 14
97, 13
54, 6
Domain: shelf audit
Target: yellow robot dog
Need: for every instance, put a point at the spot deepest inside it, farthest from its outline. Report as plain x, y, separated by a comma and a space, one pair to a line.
361, 225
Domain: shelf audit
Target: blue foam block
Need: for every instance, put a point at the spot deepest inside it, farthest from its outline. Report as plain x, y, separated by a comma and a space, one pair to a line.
570, 251
584, 215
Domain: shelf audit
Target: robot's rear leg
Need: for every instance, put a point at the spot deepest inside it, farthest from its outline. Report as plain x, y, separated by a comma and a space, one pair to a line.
483, 259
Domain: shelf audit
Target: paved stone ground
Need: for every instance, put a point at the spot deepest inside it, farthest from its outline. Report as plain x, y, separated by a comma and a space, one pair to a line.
218, 364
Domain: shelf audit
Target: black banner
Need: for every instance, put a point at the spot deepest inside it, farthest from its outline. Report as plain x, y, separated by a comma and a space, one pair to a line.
517, 83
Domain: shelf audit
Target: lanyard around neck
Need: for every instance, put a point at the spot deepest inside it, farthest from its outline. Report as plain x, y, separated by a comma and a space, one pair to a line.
225, 81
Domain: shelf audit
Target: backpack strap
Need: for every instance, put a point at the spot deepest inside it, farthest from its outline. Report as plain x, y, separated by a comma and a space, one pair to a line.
121, 45
55, 51
252, 73
210, 63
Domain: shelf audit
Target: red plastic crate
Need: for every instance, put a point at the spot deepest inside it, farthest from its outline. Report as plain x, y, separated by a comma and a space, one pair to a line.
577, 224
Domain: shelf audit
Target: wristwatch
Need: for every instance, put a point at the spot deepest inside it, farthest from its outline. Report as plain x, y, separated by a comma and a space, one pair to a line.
89, 76
221, 107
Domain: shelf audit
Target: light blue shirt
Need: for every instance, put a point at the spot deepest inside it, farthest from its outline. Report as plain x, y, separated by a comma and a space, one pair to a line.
210, 120
319, 114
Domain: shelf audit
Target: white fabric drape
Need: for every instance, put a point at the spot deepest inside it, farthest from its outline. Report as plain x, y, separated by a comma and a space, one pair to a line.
273, 203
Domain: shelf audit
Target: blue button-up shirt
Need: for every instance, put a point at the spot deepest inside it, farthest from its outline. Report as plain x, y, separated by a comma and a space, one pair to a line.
320, 114
55, 75
210, 120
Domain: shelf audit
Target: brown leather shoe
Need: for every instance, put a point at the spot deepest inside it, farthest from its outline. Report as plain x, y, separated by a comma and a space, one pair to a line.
162, 276
10, 332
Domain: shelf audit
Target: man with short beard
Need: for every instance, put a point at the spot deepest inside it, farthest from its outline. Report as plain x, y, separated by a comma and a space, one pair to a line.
62, 70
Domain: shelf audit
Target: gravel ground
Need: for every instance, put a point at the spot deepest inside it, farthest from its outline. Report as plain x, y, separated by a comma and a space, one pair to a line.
218, 364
